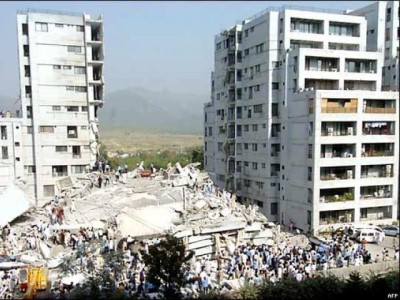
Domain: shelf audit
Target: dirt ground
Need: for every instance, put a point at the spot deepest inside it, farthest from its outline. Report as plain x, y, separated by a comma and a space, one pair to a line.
130, 141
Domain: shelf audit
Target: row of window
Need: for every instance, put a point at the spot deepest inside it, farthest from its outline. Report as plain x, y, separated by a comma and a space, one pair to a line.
44, 27
77, 70
77, 89
257, 49
72, 131
70, 108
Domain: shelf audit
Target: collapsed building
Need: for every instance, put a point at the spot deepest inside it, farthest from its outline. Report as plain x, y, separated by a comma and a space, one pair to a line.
181, 201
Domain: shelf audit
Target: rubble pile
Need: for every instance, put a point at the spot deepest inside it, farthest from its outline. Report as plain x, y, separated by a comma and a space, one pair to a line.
181, 201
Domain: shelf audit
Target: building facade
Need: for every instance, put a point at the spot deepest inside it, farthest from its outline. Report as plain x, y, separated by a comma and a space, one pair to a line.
11, 158
280, 79
61, 67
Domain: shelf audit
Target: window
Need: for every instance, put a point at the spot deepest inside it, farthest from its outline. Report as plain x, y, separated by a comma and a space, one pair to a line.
255, 127
388, 14
205, 146
75, 49
262, 165
274, 208
48, 190
25, 29
26, 50
258, 68
80, 89
309, 195
73, 108
80, 70
246, 163
254, 147
275, 64
79, 28
59, 25
387, 34
41, 26
210, 133
246, 146
220, 146
78, 169
56, 67
258, 108
46, 129
4, 152
61, 149
260, 48
31, 169
67, 67
254, 166
309, 173
252, 29
246, 33
275, 85
308, 217
275, 110
72, 132
246, 127
264, 125
219, 46
70, 88
257, 88
29, 129
310, 150
56, 108
246, 51
3, 132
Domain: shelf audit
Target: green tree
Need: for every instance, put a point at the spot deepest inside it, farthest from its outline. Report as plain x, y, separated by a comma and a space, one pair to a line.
198, 156
165, 265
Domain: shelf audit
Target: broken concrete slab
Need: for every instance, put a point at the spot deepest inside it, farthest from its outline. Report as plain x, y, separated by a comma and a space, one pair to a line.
226, 226
200, 244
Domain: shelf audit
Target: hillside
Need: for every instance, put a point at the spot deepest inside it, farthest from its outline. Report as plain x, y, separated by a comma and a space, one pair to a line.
153, 110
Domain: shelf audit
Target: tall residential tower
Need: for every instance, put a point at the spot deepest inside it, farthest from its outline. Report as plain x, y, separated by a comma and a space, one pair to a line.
297, 121
61, 67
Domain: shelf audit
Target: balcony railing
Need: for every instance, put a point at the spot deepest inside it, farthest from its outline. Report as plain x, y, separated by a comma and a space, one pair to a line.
60, 174
374, 153
380, 110
336, 110
337, 198
375, 195
340, 176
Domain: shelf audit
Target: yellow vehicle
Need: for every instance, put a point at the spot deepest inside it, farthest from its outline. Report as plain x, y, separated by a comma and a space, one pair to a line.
32, 279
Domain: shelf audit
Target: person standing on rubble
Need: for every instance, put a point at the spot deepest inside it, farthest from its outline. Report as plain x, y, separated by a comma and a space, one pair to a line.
72, 208
100, 180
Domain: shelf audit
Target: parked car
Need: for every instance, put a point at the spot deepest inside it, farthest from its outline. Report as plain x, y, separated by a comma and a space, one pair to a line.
391, 230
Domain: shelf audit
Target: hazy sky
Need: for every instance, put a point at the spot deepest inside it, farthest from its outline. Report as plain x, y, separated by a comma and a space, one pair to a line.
155, 45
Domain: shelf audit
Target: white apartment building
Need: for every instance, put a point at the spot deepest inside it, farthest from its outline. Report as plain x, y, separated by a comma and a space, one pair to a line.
267, 70
383, 33
61, 67
11, 162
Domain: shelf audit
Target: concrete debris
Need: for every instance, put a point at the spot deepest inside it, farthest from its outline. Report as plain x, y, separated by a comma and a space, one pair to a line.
129, 206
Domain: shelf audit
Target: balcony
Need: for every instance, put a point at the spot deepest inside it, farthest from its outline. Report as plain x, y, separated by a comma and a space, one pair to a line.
338, 151
294, 44
338, 173
336, 216
376, 171
339, 105
319, 84
379, 106
376, 192
376, 213
377, 149
322, 64
60, 171
360, 66
306, 26
344, 29
336, 195
359, 85
378, 128
338, 128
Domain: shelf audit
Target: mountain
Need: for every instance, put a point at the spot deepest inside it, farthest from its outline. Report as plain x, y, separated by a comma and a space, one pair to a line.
153, 110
